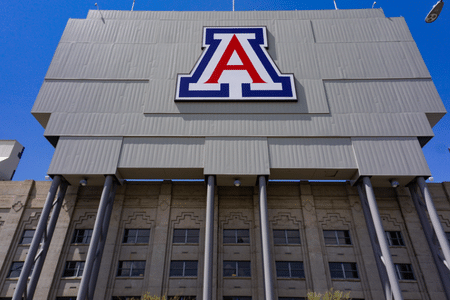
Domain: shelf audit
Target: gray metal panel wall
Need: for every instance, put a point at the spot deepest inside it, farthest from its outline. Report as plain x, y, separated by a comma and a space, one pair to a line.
390, 157
236, 156
304, 153
286, 125
162, 153
238, 15
86, 155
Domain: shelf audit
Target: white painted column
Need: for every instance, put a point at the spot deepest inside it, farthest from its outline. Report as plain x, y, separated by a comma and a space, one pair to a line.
209, 241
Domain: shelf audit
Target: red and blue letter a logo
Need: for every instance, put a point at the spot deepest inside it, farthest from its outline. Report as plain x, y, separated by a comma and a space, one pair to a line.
235, 66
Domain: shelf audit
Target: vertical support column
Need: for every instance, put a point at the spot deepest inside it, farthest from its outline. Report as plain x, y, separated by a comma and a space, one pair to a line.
101, 246
442, 269
39, 261
157, 274
96, 234
41, 227
387, 259
434, 219
375, 245
265, 240
318, 282
209, 241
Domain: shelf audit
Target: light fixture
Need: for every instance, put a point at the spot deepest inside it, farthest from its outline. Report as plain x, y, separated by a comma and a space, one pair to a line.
83, 182
237, 182
435, 11
394, 183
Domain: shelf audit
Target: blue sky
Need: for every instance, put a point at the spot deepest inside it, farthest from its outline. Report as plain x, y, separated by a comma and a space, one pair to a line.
30, 32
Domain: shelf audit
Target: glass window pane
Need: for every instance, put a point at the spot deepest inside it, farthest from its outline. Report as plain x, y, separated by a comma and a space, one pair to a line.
193, 236
279, 237
243, 236
330, 237
190, 268
27, 236
244, 269
344, 237
293, 236
15, 270
176, 268
229, 268
143, 236
282, 269
229, 236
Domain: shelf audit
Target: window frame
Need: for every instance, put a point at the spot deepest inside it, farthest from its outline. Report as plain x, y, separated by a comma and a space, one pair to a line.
286, 237
85, 238
398, 238
337, 239
237, 236
186, 236
290, 269
132, 268
344, 270
401, 273
78, 268
238, 269
136, 236
183, 272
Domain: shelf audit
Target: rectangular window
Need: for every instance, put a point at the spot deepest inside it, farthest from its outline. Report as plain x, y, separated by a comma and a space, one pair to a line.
136, 236
82, 236
236, 236
126, 297
337, 237
74, 269
448, 236
285, 236
27, 236
186, 236
404, 272
394, 238
343, 270
182, 297
183, 268
236, 269
290, 269
131, 268
15, 270
237, 298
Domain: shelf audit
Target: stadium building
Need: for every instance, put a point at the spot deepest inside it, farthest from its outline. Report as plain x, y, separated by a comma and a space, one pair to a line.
231, 155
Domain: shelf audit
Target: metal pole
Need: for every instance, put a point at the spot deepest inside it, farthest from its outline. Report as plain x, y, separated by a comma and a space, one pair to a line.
434, 219
442, 269
89, 264
209, 241
101, 246
29, 261
382, 239
39, 260
265, 240
375, 246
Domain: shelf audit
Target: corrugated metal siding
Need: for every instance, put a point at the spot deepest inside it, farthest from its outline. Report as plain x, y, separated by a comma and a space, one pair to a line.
236, 156
162, 153
129, 124
118, 31
370, 61
91, 96
311, 99
292, 153
361, 30
209, 15
383, 96
390, 156
102, 61
86, 156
